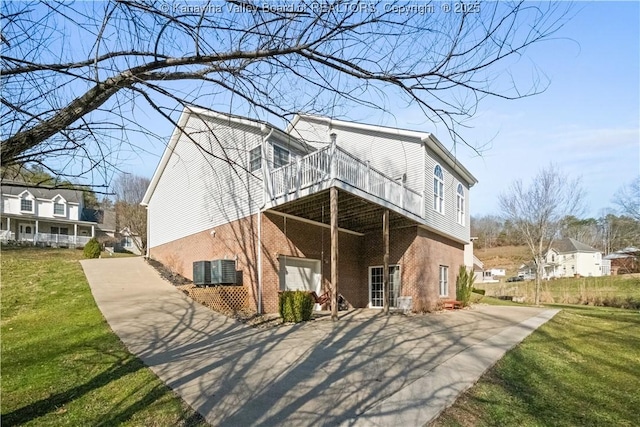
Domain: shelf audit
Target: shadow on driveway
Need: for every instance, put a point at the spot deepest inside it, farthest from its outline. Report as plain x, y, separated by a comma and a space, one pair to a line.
365, 369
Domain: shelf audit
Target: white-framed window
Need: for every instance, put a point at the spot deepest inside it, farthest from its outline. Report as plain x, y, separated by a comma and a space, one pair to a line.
255, 159
444, 281
438, 189
127, 242
280, 156
59, 209
59, 206
460, 204
60, 230
26, 205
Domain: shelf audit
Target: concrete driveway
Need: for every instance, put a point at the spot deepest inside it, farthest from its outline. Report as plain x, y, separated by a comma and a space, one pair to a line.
366, 369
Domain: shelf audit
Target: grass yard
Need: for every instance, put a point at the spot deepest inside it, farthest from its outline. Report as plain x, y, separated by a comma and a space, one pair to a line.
585, 290
61, 363
582, 368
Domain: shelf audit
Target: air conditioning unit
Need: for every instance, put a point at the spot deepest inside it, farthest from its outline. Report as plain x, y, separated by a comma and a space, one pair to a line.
223, 271
202, 273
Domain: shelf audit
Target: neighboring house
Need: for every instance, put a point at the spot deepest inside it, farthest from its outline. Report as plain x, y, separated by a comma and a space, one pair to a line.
624, 261
492, 275
497, 272
568, 258
105, 220
473, 263
128, 241
260, 196
479, 273
45, 216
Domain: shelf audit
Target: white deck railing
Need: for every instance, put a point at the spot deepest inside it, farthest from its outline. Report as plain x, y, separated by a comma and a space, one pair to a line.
333, 162
46, 238
6, 235
62, 239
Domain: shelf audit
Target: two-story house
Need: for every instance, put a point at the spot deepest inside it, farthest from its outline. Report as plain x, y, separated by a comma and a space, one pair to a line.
46, 216
568, 258
232, 188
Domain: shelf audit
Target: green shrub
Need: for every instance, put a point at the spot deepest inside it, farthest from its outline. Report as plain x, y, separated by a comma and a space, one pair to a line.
295, 306
478, 291
92, 249
464, 285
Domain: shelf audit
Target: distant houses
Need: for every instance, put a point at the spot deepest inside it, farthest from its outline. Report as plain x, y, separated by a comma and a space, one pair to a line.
624, 261
569, 258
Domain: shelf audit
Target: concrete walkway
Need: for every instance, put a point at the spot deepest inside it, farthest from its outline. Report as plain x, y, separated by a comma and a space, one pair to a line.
366, 369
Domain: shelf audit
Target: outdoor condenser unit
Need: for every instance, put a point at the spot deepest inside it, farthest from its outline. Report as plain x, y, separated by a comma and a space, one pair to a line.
202, 273
223, 271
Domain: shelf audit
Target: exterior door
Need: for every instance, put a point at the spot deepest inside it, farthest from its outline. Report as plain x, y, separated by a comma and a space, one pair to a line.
25, 232
376, 291
299, 274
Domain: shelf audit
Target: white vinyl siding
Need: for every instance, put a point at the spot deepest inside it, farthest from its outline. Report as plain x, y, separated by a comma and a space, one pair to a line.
74, 211
197, 191
390, 154
313, 133
446, 223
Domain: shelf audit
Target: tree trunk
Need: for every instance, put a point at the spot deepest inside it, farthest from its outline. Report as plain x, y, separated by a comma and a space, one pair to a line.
539, 274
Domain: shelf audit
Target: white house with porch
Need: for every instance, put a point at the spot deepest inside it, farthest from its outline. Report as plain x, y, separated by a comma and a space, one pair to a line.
43, 216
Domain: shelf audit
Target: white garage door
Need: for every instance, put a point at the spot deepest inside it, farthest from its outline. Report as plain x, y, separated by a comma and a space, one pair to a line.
299, 274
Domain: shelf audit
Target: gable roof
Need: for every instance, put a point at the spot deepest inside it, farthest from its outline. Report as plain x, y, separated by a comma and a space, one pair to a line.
104, 218
568, 245
426, 138
15, 188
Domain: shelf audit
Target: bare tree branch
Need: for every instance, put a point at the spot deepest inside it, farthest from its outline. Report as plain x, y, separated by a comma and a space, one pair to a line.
75, 70
538, 212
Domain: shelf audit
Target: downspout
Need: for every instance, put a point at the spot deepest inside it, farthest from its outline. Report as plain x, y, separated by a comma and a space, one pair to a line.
264, 203
148, 233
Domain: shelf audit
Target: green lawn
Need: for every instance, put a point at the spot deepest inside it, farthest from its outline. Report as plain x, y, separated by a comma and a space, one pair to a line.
582, 368
61, 364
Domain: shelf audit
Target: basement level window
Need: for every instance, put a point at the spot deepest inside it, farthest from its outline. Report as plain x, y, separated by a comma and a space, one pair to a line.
444, 281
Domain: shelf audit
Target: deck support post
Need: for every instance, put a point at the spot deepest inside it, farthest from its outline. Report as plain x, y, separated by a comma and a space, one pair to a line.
385, 261
333, 197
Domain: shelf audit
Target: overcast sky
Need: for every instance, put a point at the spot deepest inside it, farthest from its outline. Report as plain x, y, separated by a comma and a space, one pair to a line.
587, 121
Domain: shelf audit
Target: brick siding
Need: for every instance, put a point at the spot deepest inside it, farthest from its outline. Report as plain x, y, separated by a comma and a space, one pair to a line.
418, 252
